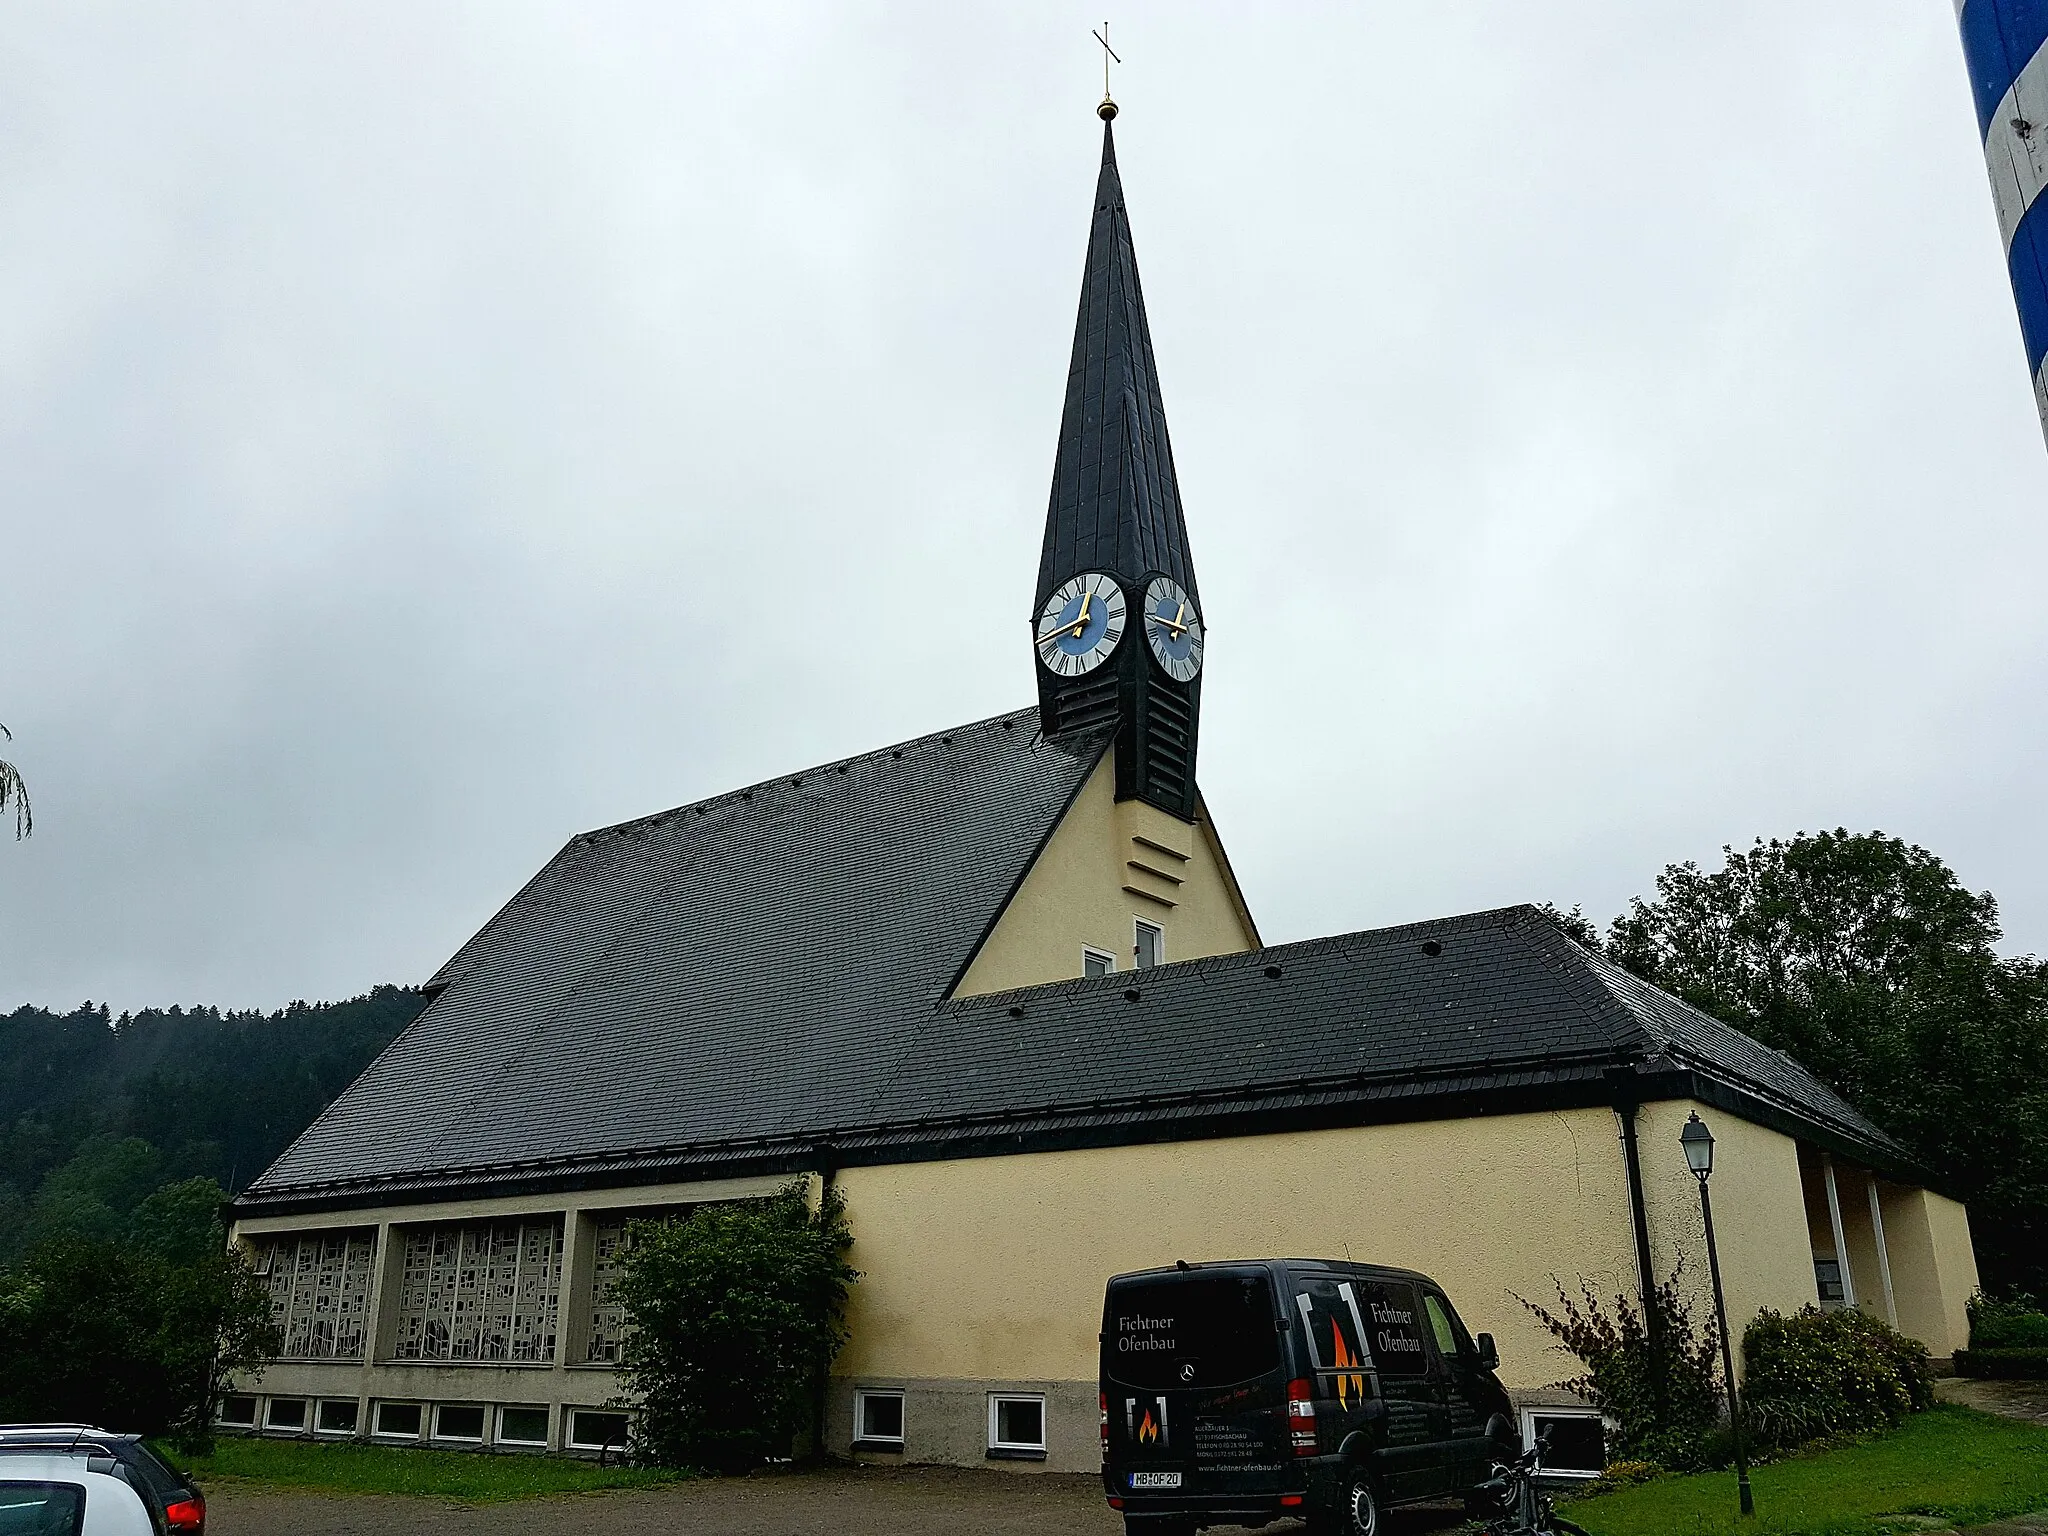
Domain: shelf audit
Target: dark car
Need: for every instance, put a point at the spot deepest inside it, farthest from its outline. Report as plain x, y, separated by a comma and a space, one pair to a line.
176, 1506
1236, 1393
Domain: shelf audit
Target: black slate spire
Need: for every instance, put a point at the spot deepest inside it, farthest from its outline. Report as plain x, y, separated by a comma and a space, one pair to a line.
1115, 502
1115, 509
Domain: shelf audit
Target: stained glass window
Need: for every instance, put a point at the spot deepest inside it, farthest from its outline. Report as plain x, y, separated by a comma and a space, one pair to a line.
481, 1291
320, 1291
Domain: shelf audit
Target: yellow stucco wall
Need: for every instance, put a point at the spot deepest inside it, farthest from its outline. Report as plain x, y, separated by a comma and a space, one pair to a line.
1934, 1266
995, 1267
1081, 893
1759, 1214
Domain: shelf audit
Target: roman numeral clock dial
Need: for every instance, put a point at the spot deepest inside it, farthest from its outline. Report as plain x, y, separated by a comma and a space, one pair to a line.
1173, 628
1080, 624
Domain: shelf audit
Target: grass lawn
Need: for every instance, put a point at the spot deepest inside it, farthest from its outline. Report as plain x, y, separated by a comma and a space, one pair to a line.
470, 1477
1963, 1466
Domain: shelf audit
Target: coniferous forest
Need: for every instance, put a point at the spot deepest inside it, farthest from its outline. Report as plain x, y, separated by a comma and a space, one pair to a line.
98, 1112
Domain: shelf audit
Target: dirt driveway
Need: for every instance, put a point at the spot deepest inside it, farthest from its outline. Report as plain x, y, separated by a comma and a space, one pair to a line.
915, 1501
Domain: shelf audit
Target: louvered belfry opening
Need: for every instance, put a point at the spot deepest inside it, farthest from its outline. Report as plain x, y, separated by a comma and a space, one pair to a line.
1115, 507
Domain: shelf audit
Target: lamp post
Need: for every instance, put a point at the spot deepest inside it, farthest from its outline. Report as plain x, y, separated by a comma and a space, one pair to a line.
1698, 1143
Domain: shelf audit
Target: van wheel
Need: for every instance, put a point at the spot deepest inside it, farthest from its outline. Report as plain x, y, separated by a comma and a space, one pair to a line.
1358, 1506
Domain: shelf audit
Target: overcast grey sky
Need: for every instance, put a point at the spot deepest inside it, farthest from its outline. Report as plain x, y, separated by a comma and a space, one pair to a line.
430, 430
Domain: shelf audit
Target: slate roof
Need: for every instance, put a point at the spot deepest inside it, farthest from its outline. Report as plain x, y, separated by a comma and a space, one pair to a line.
758, 983
1115, 502
747, 966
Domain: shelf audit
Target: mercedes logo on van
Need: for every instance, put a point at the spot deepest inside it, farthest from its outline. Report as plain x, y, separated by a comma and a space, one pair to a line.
1187, 1370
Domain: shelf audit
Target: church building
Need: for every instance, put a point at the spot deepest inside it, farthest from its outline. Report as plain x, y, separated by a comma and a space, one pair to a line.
998, 984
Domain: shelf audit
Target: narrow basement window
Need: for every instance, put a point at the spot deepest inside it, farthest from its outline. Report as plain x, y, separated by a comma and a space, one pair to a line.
1151, 947
1096, 962
1016, 1425
878, 1420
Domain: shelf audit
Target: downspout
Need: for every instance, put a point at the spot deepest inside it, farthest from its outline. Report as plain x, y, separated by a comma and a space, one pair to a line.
1631, 1156
1623, 1080
828, 1174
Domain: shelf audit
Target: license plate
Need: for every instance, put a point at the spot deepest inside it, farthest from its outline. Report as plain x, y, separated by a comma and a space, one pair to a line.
1155, 1479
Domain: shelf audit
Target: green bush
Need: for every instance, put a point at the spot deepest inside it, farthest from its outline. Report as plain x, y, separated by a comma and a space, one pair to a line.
1654, 1371
1819, 1373
2003, 1364
2013, 1323
129, 1334
735, 1314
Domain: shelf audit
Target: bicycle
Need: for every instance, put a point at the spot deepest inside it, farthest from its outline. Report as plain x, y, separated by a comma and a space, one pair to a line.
1525, 1509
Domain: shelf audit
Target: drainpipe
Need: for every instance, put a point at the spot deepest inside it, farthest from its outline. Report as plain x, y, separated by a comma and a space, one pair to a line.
828, 1174
1632, 1159
1827, 1169
1884, 1259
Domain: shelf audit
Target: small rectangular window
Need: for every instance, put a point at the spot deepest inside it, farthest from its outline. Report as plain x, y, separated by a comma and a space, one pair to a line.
1016, 1424
1827, 1279
1095, 962
337, 1416
458, 1421
597, 1431
1151, 946
399, 1420
522, 1426
286, 1413
878, 1418
237, 1409
1575, 1440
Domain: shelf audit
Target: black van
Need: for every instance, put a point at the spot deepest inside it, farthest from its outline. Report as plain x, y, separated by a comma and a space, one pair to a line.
1236, 1393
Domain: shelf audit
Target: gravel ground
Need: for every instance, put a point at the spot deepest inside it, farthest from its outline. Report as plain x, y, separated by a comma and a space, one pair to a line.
913, 1501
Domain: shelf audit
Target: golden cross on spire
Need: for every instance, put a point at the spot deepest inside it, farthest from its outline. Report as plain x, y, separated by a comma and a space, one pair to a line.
1108, 108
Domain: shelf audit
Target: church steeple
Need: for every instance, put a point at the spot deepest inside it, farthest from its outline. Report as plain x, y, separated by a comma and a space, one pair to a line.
1118, 625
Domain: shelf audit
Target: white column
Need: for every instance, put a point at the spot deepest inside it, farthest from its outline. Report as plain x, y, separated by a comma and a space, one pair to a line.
1884, 1259
1827, 1168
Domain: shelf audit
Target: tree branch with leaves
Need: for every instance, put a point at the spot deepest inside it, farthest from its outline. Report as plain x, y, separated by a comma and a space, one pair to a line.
13, 792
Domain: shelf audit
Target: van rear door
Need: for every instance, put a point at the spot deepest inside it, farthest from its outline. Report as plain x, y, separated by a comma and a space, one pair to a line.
1193, 1383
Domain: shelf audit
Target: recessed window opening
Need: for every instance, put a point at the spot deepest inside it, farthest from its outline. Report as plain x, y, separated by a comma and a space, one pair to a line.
337, 1416
1827, 1280
1097, 962
237, 1410
1016, 1422
1151, 946
597, 1431
458, 1421
286, 1413
400, 1421
878, 1418
1578, 1440
522, 1426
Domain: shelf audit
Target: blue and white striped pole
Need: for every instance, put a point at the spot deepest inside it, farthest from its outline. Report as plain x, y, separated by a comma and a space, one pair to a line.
2003, 43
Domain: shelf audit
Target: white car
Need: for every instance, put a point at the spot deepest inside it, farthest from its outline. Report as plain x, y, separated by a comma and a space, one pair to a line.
68, 1494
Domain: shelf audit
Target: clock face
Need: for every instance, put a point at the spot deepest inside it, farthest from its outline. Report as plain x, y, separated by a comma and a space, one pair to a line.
1173, 629
1081, 624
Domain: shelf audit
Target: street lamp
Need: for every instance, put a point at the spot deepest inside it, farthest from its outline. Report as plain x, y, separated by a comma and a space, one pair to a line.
1698, 1143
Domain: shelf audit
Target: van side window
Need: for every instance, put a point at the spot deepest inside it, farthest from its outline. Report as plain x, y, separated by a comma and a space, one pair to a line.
1440, 1327
1394, 1328
1334, 1326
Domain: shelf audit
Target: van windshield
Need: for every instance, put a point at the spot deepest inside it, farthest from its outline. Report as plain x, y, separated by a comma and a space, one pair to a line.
1193, 1331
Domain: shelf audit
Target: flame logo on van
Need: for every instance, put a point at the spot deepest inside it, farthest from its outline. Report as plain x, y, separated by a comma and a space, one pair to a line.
1148, 1429
1345, 1361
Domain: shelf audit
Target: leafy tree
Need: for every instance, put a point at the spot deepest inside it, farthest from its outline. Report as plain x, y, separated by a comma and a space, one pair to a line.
1576, 926
134, 1333
736, 1313
14, 792
1865, 958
